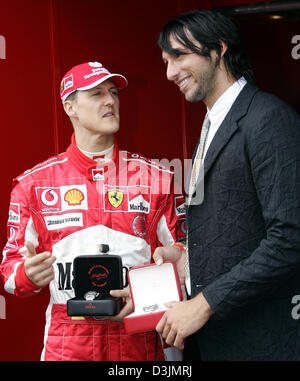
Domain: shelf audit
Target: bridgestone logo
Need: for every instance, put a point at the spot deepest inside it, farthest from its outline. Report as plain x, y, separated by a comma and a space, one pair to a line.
56, 222
67, 220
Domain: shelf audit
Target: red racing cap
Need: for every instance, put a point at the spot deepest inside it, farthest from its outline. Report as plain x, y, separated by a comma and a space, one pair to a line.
86, 76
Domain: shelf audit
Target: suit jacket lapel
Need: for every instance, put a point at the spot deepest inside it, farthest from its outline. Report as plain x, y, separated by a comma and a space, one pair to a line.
229, 125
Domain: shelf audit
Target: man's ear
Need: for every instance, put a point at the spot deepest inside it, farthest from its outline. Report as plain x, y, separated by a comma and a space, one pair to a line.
69, 108
224, 48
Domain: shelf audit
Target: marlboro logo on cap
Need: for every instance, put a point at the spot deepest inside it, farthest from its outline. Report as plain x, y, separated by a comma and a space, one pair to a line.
86, 76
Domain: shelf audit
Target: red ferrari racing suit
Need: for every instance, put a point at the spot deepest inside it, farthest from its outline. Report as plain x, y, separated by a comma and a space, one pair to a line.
70, 205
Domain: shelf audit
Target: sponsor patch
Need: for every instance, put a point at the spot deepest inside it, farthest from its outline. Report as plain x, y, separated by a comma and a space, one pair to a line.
14, 213
139, 226
96, 71
74, 197
64, 221
60, 199
66, 83
12, 233
139, 199
127, 199
180, 207
49, 197
98, 174
115, 197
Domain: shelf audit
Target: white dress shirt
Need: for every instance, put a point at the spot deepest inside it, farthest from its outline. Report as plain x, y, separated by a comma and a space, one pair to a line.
220, 109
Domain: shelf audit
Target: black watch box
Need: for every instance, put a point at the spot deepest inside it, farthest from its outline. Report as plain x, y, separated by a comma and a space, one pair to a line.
93, 278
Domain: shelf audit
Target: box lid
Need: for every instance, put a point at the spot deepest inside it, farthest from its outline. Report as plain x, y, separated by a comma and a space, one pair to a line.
152, 286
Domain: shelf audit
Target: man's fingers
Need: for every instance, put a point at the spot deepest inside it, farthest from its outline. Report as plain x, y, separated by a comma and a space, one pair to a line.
161, 324
45, 264
158, 256
125, 293
31, 253
126, 310
44, 277
178, 342
30, 249
167, 253
170, 338
45, 257
159, 261
166, 331
39, 267
169, 331
170, 304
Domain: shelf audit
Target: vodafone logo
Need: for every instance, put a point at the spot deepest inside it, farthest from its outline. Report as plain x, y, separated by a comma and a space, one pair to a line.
49, 197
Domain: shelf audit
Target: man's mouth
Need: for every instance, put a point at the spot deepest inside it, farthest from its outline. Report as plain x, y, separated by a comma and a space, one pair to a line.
182, 83
108, 115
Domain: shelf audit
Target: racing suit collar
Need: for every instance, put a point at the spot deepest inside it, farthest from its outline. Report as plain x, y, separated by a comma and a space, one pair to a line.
84, 164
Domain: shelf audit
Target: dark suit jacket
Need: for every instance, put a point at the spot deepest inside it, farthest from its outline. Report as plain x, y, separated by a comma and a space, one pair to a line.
244, 239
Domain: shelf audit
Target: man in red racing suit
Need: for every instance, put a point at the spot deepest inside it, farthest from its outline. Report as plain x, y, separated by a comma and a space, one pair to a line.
68, 206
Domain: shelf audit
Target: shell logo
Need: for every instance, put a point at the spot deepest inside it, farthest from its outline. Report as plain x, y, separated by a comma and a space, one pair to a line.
74, 197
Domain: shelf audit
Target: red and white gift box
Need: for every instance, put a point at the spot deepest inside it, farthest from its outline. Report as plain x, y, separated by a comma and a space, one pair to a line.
151, 286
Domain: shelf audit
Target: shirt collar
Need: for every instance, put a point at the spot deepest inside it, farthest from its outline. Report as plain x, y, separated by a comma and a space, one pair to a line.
226, 100
88, 167
100, 157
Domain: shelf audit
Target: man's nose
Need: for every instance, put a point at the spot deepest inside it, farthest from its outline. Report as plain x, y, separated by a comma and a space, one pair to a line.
109, 99
172, 71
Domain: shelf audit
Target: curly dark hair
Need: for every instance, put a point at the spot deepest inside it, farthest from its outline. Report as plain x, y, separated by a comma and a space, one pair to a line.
209, 28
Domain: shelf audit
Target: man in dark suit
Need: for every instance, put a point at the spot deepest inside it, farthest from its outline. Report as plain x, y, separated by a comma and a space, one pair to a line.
244, 234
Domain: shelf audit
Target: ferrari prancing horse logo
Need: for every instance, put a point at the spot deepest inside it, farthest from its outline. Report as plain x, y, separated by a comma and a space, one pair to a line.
115, 197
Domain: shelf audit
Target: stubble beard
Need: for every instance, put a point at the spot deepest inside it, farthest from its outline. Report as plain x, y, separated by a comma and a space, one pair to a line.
205, 84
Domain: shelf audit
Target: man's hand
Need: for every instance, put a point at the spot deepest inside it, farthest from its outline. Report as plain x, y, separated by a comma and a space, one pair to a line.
183, 319
174, 254
128, 307
38, 267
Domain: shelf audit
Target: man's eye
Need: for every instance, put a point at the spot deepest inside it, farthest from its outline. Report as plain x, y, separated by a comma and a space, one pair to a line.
97, 93
179, 54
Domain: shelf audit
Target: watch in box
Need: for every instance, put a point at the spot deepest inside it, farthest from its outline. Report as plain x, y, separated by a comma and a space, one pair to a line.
93, 278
